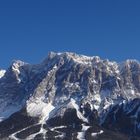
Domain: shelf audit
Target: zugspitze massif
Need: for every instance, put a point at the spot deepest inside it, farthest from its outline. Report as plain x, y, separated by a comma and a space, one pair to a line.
70, 97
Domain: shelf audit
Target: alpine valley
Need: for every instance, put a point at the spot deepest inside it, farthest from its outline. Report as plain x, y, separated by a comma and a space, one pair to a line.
70, 97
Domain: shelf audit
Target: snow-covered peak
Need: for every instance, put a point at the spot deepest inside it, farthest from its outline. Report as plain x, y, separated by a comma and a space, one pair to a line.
129, 63
132, 61
77, 58
68, 83
18, 63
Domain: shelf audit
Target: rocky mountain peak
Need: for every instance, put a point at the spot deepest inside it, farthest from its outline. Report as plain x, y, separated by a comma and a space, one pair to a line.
88, 88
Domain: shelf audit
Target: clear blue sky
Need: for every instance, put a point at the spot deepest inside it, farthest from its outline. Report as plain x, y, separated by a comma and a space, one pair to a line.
29, 29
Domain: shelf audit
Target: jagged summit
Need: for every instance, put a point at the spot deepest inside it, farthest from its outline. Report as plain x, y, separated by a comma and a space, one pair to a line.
68, 89
82, 59
73, 56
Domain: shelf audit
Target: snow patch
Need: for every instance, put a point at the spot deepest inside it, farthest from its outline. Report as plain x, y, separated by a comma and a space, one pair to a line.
38, 108
59, 127
2, 73
60, 136
81, 135
98, 133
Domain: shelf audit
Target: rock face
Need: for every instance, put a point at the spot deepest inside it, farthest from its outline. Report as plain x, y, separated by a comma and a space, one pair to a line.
70, 96
124, 117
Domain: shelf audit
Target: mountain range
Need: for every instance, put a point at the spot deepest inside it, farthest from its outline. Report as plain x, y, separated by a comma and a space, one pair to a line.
70, 97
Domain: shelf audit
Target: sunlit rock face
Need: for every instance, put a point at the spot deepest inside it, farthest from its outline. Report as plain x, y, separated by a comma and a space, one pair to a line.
70, 96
